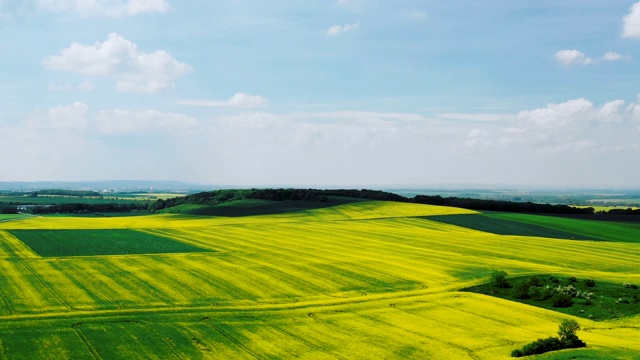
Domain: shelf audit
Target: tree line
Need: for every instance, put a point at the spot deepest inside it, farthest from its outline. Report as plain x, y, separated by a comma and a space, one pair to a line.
82, 208
220, 196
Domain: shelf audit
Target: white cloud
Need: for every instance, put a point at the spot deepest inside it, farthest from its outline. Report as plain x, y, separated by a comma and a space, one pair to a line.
339, 29
477, 137
631, 22
572, 57
575, 125
612, 56
119, 58
112, 8
59, 118
555, 115
238, 100
611, 112
113, 122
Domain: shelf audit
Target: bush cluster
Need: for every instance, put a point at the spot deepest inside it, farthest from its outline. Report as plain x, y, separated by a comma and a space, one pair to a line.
561, 296
567, 339
499, 279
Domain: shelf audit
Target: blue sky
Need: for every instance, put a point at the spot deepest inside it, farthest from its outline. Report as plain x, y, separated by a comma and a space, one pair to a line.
313, 93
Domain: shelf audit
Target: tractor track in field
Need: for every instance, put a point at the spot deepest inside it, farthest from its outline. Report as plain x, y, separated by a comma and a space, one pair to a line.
46, 285
170, 345
6, 303
233, 340
3, 355
208, 311
303, 341
92, 350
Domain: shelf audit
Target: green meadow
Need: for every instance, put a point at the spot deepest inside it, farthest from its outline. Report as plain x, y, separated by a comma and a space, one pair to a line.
266, 280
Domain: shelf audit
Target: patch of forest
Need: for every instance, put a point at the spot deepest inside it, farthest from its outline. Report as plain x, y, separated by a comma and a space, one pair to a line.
220, 196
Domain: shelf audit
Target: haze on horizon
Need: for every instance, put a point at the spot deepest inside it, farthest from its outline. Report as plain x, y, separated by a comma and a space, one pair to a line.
335, 92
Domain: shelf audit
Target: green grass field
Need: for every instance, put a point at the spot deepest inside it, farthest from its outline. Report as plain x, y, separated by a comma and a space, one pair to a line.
501, 226
11, 217
58, 243
609, 300
364, 280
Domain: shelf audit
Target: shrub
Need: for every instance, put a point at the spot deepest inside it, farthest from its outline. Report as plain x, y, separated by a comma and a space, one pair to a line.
546, 293
554, 280
567, 340
517, 353
584, 294
535, 281
540, 346
535, 293
569, 290
499, 279
630, 286
590, 282
567, 332
572, 279
521, 290
561, 299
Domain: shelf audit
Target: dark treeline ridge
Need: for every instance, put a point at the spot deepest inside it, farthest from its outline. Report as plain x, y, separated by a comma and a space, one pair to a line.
61, 192
220, 196
80, 208
628, 211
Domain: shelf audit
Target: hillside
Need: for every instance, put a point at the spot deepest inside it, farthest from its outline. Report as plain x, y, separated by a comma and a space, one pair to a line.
369, 279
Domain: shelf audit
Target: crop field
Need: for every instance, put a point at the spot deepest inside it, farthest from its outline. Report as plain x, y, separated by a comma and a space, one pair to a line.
59, 243
362, 280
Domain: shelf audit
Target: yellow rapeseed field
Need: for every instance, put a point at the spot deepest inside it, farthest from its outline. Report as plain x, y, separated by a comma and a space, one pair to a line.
366, 280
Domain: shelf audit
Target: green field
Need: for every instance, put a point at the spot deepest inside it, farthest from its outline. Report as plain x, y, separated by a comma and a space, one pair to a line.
58, 243
607, 300
11, 217
501, 226
362, 280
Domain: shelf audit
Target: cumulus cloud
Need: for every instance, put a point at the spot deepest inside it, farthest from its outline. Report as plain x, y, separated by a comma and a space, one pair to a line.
339, 29
119, 58
112, 8
238, 100
574, 125
575, 57
631, 22
572, 57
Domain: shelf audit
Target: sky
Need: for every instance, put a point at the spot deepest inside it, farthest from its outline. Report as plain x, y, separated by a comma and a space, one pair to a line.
415, 93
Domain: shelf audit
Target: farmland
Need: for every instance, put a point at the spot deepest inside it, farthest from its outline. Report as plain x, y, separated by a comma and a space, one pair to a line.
362, 280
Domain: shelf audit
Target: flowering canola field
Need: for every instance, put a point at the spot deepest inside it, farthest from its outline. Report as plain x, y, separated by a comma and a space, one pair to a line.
360, 281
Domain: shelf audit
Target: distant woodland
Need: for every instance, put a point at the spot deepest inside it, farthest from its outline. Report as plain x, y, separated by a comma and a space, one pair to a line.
314, 195
220, 196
